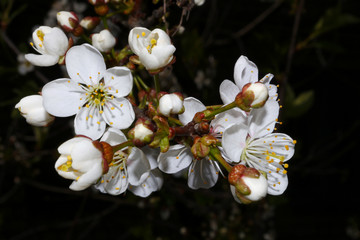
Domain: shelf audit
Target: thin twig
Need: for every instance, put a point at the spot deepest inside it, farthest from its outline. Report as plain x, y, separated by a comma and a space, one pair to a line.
291, 47
258, 20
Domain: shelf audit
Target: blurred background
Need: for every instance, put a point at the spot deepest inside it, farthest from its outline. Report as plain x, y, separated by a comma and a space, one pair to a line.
312, 48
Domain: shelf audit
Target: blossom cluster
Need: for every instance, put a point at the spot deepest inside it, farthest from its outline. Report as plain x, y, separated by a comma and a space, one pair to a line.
128, 132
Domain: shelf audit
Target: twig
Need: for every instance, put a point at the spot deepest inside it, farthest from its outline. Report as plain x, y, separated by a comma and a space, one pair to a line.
258, 20
18, 52
291, 48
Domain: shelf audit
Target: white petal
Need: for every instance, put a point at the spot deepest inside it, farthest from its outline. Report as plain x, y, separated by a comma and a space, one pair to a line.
227, 118
39, 117
202, 174
228, 91
138, 167
85, 155
120, 80
277, 183
119, 113
44, 60
88, 122
192, 106
67, 146
279, 144
56, 42
233, 193
61, 97
114, 182
263, 120
85, 64
136, 39
245, 72
234, 141
87, 179
153, 183
175, 159
113, 136
152, 155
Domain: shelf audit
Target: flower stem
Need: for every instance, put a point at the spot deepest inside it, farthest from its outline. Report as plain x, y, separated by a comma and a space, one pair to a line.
212, 114
216, 155
146, 87
120, 146
157, 83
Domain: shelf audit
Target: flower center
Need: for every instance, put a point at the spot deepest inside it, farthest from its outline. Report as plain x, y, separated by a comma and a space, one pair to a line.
96, 96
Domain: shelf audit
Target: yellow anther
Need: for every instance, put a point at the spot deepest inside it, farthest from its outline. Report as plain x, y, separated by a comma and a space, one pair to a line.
143, 34
40, 35
153, 41
286, 165
287, 147
137, 35
284, 171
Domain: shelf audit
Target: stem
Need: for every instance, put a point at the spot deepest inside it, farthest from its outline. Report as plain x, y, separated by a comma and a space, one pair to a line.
104, 20
175, 121
146, 87
219, 110
216, 155
86, 38
120, 146
157, 83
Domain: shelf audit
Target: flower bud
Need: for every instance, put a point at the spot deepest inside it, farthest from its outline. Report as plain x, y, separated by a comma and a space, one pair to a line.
172, 103
31, 107
248, 184
142, 133
253, 95
89, 23
103, 41
67, 20
200, 149
98, 2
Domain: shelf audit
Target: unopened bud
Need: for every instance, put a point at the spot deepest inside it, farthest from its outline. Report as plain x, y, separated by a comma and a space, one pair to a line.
101, 10
142, 133
67, 20
253, 95
250, 185
103, 41
172, 103
89, 23
199, 149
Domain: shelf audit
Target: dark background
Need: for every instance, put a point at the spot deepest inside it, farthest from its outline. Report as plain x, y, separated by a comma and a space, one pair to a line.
312, 48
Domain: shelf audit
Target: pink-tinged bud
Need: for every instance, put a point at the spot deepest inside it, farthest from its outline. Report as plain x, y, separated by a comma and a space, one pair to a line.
67, 20
253, 95
249, 184
172, 103
142, 133
89, 23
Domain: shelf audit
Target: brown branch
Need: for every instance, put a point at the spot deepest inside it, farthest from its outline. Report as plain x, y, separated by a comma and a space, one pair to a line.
258, 20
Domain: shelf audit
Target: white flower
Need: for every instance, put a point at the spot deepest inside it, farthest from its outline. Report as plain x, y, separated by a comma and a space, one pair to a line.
31, 107
252, 143
103, 41
245, 72
24, 66
153, 48
80, 161
170, 104
67, 20
94, 94
51, 43
202, 173
129, 169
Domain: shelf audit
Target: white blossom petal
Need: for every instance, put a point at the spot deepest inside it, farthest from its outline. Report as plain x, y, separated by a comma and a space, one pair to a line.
119, 81
85, 64
192, 106
62, 97
56, 42
113, 136
152, 183
43, 60
202, 174
234, 141
175, 159
245, 72
263, 120
88, 178
138, 167
89, 122
119, 113
228, 91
